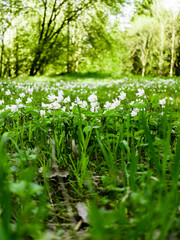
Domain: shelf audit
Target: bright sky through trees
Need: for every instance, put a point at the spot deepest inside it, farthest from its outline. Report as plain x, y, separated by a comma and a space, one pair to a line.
172, 5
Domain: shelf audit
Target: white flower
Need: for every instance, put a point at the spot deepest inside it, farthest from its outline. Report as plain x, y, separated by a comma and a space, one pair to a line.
55, 105
22, 95
64, 109
78, 100
94, 104
20, 105
30, 90
60, 98
140, 93
8, 92
7, 107
94, 109
18, 101
116, 102
67, 100
51, 98
72, 105
92, 98
83, 104
44, 105
29, 100
42, 113
83, 116
107, 105
14, 108
162, 101
122, 96
1, 102
60, 92
134, 112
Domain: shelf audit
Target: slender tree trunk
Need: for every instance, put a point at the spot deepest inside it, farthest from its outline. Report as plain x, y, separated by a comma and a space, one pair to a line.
17, 55
2, 55
68, 41
143, 70
172, 46
161, 59
35, 66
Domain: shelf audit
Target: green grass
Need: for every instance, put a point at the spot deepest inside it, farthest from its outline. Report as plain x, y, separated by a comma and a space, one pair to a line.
125, 168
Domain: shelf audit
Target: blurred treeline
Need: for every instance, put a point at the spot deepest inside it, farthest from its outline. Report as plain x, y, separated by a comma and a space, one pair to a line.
59, 36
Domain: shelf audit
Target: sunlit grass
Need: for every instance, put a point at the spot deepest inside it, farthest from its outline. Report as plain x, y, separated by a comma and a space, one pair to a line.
112, 144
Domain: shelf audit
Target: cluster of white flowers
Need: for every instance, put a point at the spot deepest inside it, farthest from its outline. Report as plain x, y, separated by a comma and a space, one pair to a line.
42, 113
113, 105
140, 93
82, 104
134, 112
22, 95
29, 100
94, 103
1, 102
122, 96
8, 92
55, 99
92, 98
162, 102
30, 90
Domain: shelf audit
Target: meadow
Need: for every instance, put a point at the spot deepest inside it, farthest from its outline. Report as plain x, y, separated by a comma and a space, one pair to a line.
89, 158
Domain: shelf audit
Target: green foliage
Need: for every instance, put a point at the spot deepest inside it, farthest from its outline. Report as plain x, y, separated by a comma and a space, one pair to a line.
118, 154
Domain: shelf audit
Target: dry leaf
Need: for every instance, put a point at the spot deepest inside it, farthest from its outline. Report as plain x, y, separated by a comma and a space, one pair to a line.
74, 148
58, 174
83, 211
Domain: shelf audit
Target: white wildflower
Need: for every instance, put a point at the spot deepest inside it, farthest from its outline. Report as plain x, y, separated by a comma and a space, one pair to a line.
92, 98
1, 102
18, 101
67, 100
42, 113
122, 96
64, 108
30, 90
20, 105
134, 112
72, 105
140, 93
29, 100
55, 105
51, 98
22, 95
60, 98
60, 92
107, 105
14, 108
8, 92
162, 102
116, 102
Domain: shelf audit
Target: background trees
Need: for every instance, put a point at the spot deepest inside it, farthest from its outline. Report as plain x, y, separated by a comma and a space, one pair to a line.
55, 36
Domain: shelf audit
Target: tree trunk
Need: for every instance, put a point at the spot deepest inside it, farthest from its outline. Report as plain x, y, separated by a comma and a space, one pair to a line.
161, 59
35, 66
172, 47
17, 55
68, 41
143, 70
2, 55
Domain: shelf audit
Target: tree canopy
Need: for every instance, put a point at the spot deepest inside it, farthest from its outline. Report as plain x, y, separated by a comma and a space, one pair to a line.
55, 36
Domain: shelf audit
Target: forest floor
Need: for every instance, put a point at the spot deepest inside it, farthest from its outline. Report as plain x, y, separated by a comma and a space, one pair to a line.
89, 156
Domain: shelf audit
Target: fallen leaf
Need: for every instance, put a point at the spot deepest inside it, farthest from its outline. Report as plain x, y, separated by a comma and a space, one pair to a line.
83, 211
58, 174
